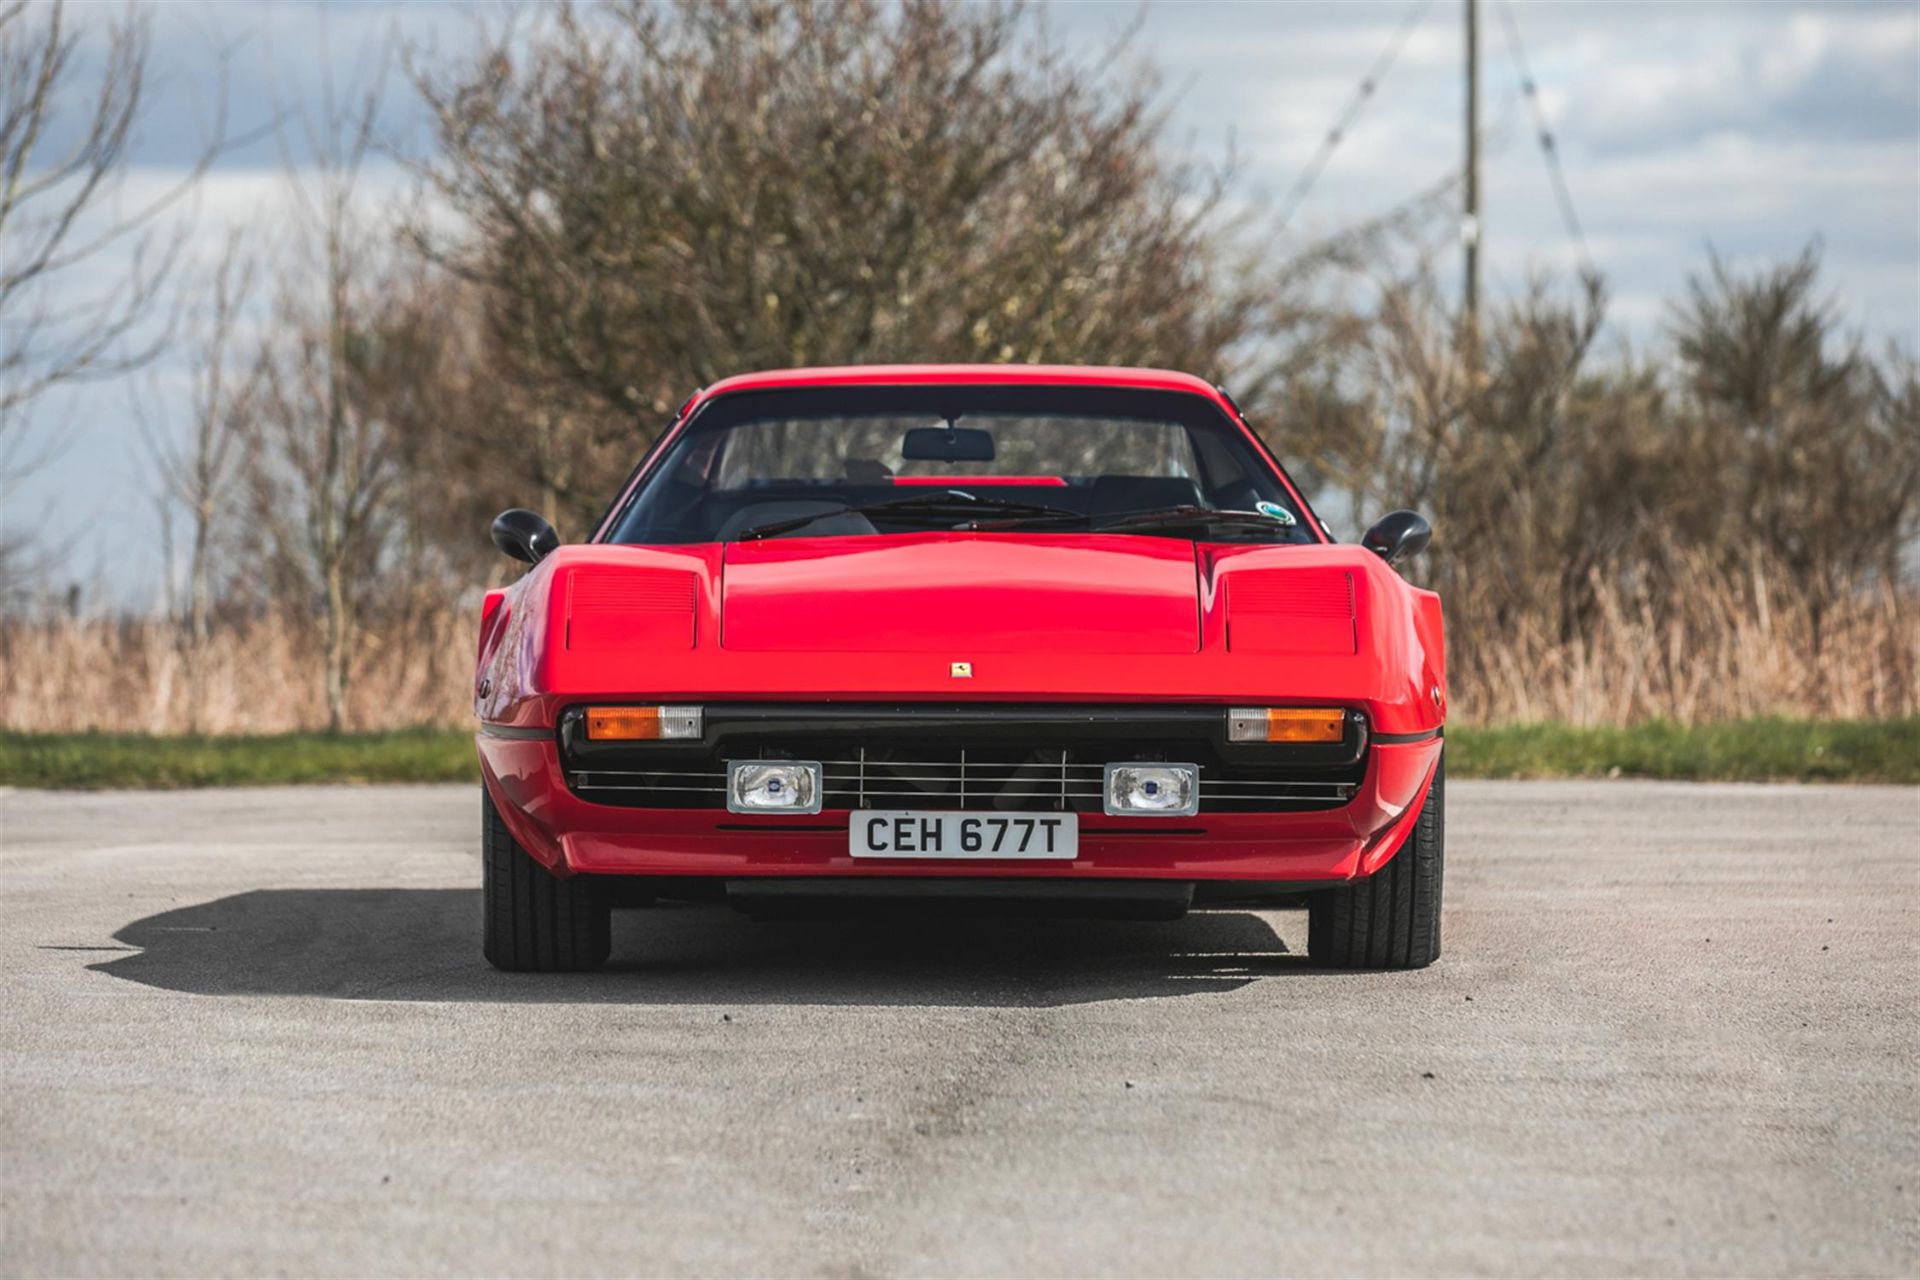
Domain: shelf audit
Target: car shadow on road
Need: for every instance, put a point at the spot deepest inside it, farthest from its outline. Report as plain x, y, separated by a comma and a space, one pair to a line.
424, 944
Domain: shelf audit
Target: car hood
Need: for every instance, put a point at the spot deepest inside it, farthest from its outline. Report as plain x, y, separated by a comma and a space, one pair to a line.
961, 594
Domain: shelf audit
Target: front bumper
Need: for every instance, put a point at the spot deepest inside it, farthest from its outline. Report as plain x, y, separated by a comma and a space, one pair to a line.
975, 757
571, 834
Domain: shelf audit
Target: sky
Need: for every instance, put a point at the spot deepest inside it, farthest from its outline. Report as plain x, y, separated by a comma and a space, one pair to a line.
1751, 129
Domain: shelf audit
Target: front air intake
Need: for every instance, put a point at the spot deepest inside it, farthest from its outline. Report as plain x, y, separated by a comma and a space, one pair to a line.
611, 607
1302, 611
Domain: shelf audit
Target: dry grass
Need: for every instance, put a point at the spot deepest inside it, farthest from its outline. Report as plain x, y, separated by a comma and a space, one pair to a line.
1740, 648
1735, 649
257, 676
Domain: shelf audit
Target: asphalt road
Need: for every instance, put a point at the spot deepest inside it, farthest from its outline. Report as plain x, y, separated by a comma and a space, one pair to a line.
1674, 1032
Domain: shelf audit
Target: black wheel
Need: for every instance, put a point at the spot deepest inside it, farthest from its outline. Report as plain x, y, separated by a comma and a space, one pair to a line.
535, 921
1391, 919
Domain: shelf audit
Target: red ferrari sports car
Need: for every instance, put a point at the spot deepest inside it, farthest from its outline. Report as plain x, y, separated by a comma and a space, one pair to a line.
1048, 638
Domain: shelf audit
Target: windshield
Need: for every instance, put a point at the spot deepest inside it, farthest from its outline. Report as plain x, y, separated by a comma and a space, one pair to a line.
837, 461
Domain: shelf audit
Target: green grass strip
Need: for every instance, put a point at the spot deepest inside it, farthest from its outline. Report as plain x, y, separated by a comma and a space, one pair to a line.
1742, 751
1737, 751
91, 761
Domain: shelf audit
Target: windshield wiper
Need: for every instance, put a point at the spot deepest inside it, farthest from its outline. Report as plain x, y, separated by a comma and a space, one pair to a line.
954, 503
1167, 519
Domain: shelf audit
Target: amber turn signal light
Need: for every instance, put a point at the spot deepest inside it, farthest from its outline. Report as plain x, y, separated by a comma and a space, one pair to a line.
642, 724
1286, 724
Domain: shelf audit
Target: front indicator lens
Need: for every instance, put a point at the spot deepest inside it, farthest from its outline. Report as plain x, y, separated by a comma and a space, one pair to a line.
1287, 724
773, 786
1163, 790
642, 724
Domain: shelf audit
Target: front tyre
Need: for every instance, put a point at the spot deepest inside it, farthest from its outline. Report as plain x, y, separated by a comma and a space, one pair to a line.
1391, 919
535, 921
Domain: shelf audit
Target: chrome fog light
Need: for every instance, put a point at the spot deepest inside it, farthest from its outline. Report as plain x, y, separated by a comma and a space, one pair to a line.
1162, 790
773, 786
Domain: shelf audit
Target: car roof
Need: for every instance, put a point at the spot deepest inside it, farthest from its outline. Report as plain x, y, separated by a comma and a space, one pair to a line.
1056, 375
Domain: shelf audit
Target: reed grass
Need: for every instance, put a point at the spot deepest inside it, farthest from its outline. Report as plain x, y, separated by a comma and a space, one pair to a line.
1721, 648
260, 675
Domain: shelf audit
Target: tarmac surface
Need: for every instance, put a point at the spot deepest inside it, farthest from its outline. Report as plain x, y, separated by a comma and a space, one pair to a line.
1675, 1031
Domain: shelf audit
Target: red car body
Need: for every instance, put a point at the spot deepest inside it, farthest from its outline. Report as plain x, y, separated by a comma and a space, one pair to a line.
1043, 619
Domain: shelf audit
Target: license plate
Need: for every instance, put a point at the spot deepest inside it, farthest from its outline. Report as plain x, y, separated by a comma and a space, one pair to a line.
900, 833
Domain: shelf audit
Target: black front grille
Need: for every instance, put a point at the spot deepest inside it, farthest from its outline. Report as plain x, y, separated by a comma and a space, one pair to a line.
966, 758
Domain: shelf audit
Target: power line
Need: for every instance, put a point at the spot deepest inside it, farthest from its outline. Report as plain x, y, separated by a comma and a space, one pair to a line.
1365, 90
1548, 148
1470, 204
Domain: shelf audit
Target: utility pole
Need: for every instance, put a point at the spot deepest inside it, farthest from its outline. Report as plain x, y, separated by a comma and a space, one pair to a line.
1470, 214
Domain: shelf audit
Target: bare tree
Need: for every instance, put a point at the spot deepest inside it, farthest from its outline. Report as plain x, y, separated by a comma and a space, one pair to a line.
655, 195
58, 212
325, 471
64, 144
196, 472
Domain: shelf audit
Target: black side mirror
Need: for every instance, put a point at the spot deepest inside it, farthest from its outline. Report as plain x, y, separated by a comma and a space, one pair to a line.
1397, 535
523, 535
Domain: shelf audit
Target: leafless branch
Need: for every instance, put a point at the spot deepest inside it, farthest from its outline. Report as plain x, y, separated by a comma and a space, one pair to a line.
61, 213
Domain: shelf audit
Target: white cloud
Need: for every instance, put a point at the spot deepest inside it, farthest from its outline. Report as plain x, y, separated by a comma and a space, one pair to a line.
1757, 128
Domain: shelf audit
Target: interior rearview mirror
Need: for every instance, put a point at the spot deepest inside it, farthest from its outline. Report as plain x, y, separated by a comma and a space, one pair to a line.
947, 444
523, 535
1397, 535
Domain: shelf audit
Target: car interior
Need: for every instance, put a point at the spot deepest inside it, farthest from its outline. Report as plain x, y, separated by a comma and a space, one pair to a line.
732, 513
684, 509
731, 483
